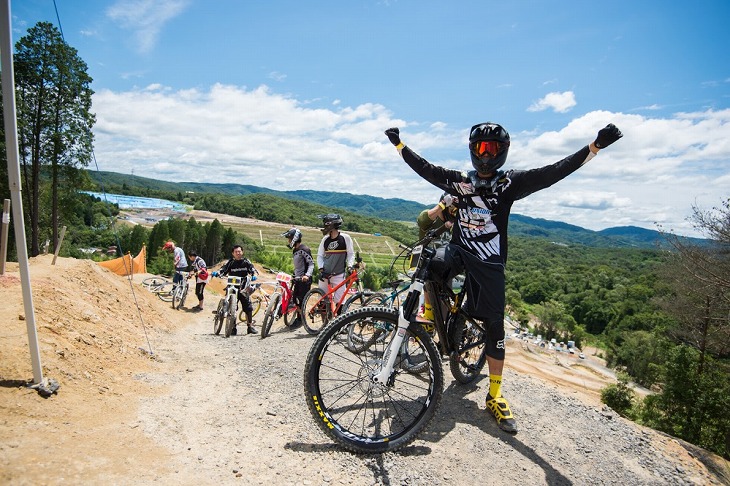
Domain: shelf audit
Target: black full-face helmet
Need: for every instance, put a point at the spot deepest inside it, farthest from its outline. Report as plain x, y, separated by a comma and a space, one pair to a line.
294, 236
330, 222
488, 147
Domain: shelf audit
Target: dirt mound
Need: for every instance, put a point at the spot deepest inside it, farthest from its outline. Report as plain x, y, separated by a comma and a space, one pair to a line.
149, 394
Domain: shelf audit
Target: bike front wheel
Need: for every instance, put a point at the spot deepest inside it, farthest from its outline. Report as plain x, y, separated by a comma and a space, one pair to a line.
231, 317
164, 291
316, 311
349, 407
271, 310
470, 342
219, 317
176, 296
291, 316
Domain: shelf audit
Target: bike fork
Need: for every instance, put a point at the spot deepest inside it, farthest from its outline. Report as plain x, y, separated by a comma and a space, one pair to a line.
391, 351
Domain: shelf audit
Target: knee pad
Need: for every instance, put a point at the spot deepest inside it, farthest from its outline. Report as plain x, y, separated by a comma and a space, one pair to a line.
495, 339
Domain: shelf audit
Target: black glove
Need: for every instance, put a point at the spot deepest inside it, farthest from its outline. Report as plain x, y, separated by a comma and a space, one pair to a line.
393, 135
606, 136
322, 274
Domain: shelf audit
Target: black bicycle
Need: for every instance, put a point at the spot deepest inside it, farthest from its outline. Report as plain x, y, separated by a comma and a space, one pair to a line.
379, 397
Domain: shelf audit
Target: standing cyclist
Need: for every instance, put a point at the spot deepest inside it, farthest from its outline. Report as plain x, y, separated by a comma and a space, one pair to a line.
179, 262
335, 255
479, 237
303, 268
240, 267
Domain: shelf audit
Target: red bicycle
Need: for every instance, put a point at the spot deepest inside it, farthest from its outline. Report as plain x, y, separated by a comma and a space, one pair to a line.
281, 304
320, 306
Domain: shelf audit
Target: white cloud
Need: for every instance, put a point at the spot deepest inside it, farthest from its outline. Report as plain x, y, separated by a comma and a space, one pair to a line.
558, 102
654, 174
145, 18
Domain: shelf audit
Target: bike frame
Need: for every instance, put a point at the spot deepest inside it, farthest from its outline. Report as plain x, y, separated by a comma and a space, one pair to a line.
283, 288
350, 281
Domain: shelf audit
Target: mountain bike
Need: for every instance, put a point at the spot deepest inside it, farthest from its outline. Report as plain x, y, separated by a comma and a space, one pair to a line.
180, 290
160, 286
381, 398
281, 304
320, 306
227, 306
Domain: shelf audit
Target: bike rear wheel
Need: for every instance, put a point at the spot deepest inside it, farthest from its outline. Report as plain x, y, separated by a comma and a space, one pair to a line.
316, 311
219, 317
355, 301
231, 317
357, 413
152, 283
164, 291
470, 340
271, 310
256, 303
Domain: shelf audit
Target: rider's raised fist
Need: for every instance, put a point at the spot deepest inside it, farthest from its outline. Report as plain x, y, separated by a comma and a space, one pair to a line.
393, 135
606, 136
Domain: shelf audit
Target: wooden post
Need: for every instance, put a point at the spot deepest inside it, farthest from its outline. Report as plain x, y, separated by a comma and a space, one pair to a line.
58, 247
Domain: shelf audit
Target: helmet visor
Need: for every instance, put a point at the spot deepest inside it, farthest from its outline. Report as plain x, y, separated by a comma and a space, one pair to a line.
485, 149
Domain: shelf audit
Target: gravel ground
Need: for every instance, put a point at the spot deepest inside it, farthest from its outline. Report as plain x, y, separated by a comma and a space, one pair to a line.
238, 410
202, 409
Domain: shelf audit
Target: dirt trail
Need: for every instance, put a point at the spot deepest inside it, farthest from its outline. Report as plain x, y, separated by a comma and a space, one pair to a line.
202, 409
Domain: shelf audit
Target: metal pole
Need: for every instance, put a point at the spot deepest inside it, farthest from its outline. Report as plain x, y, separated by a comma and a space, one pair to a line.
4, 236
11, 145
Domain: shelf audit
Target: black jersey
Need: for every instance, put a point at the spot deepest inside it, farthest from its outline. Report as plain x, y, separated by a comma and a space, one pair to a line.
238, 268
484, 205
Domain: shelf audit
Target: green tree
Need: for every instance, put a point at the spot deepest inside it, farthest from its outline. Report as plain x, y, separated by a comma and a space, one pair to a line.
699, 278
692, 406
54, 121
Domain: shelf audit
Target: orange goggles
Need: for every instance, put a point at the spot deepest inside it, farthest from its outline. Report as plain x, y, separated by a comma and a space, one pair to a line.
488, 148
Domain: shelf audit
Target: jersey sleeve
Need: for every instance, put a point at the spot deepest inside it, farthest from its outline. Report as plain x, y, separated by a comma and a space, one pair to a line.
526, 182
440, 177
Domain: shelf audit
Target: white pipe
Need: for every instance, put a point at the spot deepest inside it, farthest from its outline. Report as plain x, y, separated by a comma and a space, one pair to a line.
11, 144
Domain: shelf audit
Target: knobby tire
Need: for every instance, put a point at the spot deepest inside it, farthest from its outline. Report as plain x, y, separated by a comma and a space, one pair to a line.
270, 314
470, 338
315, 316
230, 316
360, 415
219, 317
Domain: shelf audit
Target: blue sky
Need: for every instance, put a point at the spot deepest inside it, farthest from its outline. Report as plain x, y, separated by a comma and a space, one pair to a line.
296, 95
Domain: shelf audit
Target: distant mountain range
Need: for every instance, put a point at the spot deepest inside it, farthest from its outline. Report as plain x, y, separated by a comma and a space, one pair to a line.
393, 209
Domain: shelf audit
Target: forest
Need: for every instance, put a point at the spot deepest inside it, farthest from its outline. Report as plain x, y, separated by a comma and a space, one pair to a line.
661, 316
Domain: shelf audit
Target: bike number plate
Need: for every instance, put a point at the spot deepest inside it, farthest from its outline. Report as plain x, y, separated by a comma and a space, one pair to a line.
234, 280
283, 277
416, 255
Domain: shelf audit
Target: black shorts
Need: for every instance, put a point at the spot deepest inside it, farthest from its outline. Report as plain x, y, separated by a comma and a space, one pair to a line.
484, 286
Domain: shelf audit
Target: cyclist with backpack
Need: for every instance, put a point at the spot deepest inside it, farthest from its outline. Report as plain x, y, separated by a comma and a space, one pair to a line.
241, 267
335, 255
198, 266
303, 268
479, 237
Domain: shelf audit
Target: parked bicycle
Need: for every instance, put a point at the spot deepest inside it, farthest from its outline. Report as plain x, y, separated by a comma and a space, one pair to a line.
180, 290
281, 304
320, 306
361, 335
160, 286
381, 398
227, 306
259, 299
